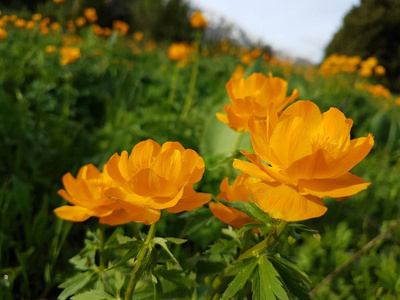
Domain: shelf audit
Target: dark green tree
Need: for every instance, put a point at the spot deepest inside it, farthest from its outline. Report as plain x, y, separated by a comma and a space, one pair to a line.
372, 29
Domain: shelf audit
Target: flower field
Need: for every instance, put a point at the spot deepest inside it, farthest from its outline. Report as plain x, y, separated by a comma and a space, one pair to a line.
133, 168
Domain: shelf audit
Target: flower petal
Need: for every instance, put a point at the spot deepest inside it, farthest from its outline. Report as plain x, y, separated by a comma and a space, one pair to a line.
283, 202
73, 213
344, 186
229, 215
117, 217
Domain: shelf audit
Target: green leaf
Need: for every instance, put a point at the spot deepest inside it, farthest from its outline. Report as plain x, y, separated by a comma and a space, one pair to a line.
295, 280
251, 209
239, 266
259, 291
264, 228
93, 295
74, 284
269, 279
176, 241
163, 243
135, 247
239, 281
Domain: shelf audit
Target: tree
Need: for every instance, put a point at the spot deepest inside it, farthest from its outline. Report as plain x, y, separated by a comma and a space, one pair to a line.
372, 29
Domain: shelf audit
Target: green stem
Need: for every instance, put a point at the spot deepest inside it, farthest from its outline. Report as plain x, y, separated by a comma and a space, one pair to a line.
220, 282
101, 246
192, 85
174, 83
143, 252
239, 137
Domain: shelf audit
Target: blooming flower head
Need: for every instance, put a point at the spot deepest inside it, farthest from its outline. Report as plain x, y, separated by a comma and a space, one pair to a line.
36, 17
138, 36
239, 191
155, 177
3, 33
20, 23
121, 27
58, 1
178, 51
254, 96
50, 49
81, 21
309, 155
69, 54
30, 25
197, 20
86, 194
380, 70
90, 14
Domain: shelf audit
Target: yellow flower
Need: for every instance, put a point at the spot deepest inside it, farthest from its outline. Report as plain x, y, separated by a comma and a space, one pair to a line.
58, 1
71, 26
365, 72
20, 23
69, 54
238, 73
254, 95
97, 29
36, 17
50, 49
197, 20
138, 36
309, 156
3, 33
90, 14
121, 27
86, 194
240, 190
30, 25
55, 26
156, 177
380, 70
81, 21
178, 51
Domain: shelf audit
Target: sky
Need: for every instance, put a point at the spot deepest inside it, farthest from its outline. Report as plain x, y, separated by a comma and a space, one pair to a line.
301, 28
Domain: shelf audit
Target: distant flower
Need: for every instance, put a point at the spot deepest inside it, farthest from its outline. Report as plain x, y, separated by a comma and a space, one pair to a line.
380, 70
365, 72
178, 51
238, 73
20, 23
69, 54
90, 14
36, 17
81, 21
240, 190
3, 33
254, 95
154, 177
55, 26
121, 27
50, 49
308, 155
197, 20
58, 1
30, 25
138, 36
86, 194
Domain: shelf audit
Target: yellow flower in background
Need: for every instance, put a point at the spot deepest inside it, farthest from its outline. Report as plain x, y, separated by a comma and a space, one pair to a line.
238, 73
121, 27
309, 156
154, 177
380, 70
50, 49
365, 72
44, 30
197, 20
178, 51
58, 1
36, 17
240, 190
81, 21
55, 26
20, 23
254, 95
3, 33
30, 25
86, 194
71, 26
150, 46
138, 36
69, 54
90, 14
377, 90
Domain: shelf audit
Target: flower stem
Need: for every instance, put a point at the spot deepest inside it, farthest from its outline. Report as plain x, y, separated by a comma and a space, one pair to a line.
143, 252
192, 85
101, 247
174, 83
220, 282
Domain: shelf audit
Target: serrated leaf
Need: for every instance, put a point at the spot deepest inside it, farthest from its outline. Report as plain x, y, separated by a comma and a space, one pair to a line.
295, 280
93, 295
133, 252
260, 292
269, 279
239, 266
74, 284
239, 281
163, 243
264, 228
176, 241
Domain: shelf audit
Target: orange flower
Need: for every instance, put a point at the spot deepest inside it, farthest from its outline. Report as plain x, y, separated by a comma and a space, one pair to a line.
20, 23
121, 27
55, 26
309, 156
86, 194
30, 25
81, 21
3, 33
238, 191
69, 54
156, 177
197, 20
90, 14
36, 17
138, 36
50, 49
254, 96
380, 70
58, 1
178, 51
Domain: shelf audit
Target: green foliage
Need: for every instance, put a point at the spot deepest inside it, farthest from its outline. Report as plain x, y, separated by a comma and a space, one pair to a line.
372, 29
